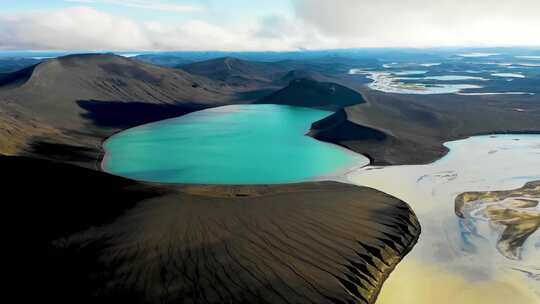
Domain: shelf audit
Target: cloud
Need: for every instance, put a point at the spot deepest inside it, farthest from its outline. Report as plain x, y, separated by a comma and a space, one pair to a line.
85, 28
144, 4
313, 24
419, 23
77, 28
287, 33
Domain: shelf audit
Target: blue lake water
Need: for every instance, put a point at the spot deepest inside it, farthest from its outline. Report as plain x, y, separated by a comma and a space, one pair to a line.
241, 144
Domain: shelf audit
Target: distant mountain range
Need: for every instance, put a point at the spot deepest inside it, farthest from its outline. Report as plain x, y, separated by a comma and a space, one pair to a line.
235, 71
306, 92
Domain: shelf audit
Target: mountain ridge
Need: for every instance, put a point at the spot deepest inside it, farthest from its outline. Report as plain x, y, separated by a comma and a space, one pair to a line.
308, 92
235, 71
99, 93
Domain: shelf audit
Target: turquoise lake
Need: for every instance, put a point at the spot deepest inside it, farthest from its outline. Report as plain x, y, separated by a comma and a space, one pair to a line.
240, 144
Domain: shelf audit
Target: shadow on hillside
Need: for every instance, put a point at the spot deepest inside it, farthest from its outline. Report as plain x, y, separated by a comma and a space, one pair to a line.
255, 95
44, 202
64, 199
17, 78
63, 152
117, 114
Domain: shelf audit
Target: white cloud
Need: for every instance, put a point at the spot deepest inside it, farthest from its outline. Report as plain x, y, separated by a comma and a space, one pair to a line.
77, 28
419, 23
144, 4
314, 24
84, 28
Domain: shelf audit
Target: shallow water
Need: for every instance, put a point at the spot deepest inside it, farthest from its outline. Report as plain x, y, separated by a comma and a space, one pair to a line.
452, 78
456, 260
496, 93
506, 75
405, 82
529, 57
414, 72
242, 144
387, 82
430, 64
478, 55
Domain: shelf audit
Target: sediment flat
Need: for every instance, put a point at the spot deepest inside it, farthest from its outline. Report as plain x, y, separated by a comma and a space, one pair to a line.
513, 209
481, 242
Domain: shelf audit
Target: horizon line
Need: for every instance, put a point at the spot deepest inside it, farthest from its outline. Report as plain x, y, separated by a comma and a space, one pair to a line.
275, 51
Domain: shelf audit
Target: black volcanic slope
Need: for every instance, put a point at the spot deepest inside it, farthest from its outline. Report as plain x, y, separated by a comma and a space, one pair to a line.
304, 74
16, 78
395, 129
13, 64
311, 93
80, 100
87, 237
236, 71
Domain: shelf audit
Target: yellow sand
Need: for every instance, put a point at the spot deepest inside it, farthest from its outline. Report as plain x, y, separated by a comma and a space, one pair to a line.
416, 282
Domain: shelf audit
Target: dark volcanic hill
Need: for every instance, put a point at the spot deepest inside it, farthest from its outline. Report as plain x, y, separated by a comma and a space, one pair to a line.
304, 74
97, 238
236, 71
9, 64
311, 93
109, 77
96, 95
16, 78
395, 129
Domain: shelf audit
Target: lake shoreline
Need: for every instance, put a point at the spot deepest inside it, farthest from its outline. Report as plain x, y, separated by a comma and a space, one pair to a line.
240, 144
415, 132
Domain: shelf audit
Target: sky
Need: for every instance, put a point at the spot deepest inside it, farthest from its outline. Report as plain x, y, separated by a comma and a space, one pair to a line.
271, 25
